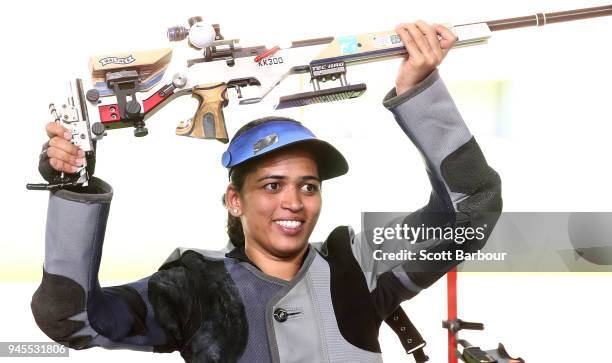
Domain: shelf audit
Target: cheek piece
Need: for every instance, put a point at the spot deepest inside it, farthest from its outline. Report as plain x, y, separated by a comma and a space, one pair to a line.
280, 133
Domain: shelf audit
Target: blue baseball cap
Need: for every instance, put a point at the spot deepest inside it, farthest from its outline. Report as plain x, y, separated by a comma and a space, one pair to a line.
278, 133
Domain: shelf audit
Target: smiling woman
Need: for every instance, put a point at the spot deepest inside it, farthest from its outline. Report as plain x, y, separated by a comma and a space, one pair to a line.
274, 195
274, 297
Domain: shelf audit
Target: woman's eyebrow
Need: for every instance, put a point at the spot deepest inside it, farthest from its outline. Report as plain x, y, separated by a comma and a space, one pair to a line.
282, 177
276, 177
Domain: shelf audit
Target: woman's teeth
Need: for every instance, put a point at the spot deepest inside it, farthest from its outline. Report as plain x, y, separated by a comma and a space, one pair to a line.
289, 224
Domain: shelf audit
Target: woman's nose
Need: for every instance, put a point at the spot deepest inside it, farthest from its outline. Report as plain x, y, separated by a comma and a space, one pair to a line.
292, 200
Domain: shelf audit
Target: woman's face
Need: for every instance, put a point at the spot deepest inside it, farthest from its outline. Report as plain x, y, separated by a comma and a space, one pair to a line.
280, 202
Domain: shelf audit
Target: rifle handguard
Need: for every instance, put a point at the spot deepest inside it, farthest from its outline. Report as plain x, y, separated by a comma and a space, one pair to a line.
208, 122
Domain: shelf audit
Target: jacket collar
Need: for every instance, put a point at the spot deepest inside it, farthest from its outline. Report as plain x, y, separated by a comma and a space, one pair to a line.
239, 254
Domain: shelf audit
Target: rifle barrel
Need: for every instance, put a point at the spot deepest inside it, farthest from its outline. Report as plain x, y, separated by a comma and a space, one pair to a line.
541, 19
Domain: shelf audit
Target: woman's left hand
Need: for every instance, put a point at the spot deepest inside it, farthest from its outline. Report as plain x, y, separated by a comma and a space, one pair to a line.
427, 45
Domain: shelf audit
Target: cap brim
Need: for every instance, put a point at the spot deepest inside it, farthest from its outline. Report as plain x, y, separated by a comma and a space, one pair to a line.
330, 162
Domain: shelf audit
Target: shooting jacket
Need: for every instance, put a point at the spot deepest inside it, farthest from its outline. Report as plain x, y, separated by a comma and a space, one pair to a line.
214, 306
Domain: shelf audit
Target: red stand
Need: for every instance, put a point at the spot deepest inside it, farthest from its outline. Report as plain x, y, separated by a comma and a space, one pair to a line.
451, 286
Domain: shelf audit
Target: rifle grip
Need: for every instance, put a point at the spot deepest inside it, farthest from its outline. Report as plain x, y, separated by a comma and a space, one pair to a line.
208, 122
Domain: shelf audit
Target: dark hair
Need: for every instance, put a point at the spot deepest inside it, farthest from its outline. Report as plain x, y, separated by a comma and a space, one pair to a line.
238, 174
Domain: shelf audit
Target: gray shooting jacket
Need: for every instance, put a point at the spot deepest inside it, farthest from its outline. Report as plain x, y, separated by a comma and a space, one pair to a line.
214, 306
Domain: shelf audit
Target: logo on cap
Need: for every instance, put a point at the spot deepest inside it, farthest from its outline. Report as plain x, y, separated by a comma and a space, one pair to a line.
264, 143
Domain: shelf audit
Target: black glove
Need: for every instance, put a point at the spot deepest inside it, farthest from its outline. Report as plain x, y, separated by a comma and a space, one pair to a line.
51, 175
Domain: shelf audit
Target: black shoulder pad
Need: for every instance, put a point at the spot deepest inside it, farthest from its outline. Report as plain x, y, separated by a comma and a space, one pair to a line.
355, 311
195, 300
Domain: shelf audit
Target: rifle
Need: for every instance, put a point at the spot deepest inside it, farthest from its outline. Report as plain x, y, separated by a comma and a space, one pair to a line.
126, 89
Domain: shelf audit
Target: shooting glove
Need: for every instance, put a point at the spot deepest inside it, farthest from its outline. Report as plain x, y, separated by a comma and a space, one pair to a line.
51, 175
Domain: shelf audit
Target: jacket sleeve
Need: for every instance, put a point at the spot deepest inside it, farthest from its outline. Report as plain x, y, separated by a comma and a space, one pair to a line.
466, 191
72, 308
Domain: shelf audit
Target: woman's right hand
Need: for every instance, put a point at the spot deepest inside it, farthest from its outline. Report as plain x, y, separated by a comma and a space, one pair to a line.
63, 155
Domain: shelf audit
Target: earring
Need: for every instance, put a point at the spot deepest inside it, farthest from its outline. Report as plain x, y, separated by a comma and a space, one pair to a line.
235, 210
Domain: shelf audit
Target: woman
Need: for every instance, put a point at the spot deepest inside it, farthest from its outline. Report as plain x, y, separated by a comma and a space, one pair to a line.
274, 297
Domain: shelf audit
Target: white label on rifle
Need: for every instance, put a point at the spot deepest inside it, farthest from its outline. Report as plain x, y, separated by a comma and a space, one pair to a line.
472, 33
384, 41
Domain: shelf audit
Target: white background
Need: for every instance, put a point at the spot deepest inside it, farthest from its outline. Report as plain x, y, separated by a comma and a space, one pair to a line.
547, 134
